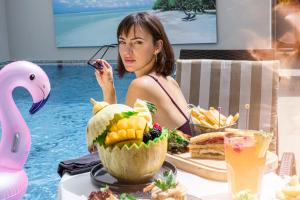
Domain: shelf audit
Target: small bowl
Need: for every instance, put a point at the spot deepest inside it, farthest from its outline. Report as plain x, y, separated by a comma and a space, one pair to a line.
198, 129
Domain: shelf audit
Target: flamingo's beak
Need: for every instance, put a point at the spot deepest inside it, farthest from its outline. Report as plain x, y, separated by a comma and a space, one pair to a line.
36, 106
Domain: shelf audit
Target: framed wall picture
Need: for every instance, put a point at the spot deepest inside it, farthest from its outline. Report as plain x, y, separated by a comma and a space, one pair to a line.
87, 23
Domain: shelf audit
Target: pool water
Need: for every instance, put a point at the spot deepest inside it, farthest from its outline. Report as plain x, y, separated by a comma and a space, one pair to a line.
58, 129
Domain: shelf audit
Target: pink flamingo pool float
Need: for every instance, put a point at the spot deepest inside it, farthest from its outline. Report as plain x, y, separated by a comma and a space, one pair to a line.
15, 139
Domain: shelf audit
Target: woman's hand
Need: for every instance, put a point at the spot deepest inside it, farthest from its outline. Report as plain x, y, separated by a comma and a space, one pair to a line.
104, 75
105, 79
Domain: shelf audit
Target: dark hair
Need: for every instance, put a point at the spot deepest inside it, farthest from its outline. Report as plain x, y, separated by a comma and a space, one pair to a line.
165, 58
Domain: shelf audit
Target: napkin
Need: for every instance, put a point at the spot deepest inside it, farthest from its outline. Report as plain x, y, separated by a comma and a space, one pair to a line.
78, 165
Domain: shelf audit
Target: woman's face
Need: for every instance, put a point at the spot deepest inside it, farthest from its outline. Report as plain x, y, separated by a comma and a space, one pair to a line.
137, 50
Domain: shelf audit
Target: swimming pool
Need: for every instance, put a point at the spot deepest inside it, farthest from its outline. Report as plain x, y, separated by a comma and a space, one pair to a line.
58, 129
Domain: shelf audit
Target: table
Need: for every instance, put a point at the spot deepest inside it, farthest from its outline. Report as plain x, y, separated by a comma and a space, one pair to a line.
78, 187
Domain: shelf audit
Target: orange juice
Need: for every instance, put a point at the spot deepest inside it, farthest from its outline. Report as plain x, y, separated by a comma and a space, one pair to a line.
245, 155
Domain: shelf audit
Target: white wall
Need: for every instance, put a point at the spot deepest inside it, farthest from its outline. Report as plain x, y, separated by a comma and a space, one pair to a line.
31, 29
4, 50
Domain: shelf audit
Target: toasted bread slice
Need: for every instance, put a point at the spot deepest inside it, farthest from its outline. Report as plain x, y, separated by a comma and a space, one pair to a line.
206, 136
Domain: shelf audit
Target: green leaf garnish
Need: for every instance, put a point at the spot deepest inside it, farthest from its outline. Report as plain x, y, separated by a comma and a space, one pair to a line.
128, 114
152, 107
176, 142
125, 196
175, 137
103, 189
244, 195
168, 181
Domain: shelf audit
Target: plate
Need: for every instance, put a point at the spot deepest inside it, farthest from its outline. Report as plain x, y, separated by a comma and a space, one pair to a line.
100, 177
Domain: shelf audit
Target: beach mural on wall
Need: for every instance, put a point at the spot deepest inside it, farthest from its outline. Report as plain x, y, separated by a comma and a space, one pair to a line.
92, 23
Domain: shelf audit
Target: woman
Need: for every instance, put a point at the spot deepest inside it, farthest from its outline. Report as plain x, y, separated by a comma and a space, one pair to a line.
145, 50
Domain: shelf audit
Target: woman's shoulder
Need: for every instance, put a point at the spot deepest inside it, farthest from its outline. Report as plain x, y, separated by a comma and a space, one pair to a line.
173, 81
143, 88
142, 82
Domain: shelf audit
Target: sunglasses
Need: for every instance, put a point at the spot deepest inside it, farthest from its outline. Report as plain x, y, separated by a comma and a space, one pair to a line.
92, 60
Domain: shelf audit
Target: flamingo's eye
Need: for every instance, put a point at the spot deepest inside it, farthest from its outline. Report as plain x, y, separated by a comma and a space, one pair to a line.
32, 77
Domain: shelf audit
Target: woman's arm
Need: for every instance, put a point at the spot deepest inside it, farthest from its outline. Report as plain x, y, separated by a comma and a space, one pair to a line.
105, 80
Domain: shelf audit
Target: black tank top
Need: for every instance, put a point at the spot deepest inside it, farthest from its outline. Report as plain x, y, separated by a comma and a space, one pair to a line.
185, 128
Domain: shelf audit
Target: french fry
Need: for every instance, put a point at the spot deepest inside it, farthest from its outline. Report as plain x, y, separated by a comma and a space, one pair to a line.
205, 123
290, 191
210, 117
235, 118
195, 120
216, 126
222, 117
229, 120
194, 112
201, 116
201, 110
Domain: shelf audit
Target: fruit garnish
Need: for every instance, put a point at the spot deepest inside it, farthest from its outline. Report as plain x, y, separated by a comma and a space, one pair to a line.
144, 109
263, 140
237, 148
97, 105
168, 181
147, 137
155, 133
156, 126
117, 117
244, 195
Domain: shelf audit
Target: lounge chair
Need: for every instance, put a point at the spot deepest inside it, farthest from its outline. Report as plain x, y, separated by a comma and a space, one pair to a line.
231, 79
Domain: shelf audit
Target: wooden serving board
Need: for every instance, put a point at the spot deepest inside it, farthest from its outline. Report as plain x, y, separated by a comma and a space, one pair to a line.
212, 169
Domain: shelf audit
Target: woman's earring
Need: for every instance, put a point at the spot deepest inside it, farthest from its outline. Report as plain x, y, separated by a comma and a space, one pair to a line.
155, 58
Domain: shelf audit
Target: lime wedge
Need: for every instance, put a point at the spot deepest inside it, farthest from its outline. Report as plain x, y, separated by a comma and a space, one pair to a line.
263, 140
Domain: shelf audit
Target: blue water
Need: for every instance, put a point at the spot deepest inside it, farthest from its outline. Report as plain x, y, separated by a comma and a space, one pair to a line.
58, 129
89, 29
99, 28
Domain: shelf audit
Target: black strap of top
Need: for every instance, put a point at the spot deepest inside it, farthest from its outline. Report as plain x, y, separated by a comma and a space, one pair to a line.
175, 104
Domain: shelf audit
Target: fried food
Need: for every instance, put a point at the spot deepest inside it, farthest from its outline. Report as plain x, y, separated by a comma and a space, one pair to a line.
212, 118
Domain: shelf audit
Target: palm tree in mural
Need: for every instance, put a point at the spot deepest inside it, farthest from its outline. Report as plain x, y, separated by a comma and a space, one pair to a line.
190, 7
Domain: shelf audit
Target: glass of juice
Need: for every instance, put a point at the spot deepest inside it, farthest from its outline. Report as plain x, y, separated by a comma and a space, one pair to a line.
245, 156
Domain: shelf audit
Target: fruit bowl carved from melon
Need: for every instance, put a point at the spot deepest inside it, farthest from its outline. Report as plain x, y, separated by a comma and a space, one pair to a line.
135, 163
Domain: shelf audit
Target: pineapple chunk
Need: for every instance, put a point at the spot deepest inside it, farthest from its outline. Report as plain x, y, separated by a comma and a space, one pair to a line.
146, 115
130, 134
114, 128
111, 137
122, 123
139, 134
122, 134
131, 122
141, 123
141, 109
107, 140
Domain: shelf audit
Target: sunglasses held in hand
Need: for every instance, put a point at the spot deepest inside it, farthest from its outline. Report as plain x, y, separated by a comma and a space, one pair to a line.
92, 61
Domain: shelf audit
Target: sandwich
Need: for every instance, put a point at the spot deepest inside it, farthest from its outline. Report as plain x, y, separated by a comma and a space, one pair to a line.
208, 146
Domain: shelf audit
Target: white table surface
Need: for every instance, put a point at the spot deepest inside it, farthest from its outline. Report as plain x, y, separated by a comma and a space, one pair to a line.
78, 187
